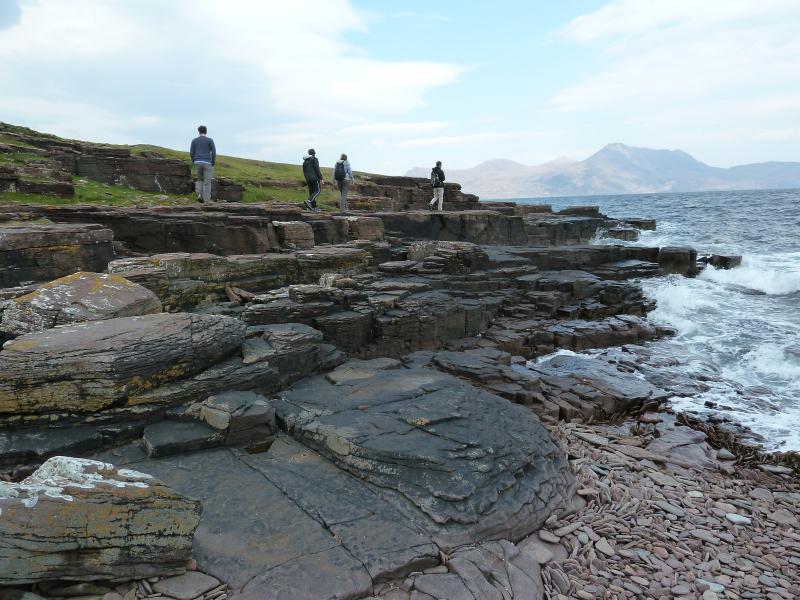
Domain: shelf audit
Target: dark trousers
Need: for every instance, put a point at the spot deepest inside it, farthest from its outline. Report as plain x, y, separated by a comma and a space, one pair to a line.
313, 192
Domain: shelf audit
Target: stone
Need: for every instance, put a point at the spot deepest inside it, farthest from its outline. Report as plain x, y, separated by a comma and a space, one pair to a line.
245, 417
187, 586
783, 516
762, 494
113, 362
725, 261
391, 428
294, 234
603, 546
79, 589
88, 520
173, 437
737, 519
46, 252
725, 454
75, 298
548, 536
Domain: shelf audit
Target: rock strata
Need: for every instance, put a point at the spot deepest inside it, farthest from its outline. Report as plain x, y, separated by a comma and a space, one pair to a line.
85, 520
76, 298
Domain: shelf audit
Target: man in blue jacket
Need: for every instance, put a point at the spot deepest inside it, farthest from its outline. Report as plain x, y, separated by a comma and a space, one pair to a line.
313, 178
204, 155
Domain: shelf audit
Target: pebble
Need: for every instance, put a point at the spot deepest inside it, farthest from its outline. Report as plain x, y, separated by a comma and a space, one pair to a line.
680, 590
603, 546
776, 469
548, 537
709, 595
661, 552
738, 519
704, 585
583, 538
706, 536
763, 494
783, 516
694, 494
725, 454
670, 508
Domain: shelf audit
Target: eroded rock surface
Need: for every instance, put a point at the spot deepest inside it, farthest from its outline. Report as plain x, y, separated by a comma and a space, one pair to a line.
472, 465
83, 519
76, 298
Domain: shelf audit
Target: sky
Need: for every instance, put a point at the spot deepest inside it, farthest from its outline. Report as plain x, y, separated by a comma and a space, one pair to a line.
403, 84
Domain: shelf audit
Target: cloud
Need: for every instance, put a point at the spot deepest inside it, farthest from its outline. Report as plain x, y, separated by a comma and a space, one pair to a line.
661, 52
238, 64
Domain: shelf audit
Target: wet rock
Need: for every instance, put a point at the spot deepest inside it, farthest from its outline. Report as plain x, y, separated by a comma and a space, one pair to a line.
87, 520
76, 298
679, 260
723, 261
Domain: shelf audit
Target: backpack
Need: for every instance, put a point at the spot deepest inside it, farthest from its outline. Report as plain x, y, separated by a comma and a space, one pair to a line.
434, 178
338, 171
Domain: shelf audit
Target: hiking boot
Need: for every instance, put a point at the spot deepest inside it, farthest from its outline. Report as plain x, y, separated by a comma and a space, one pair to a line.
307, 204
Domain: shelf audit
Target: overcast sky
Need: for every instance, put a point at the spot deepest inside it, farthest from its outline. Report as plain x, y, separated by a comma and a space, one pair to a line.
400, 84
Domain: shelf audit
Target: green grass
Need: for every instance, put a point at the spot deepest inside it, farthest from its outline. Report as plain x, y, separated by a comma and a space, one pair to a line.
264, 181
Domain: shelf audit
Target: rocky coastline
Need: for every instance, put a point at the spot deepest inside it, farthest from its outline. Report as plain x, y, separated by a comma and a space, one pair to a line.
253, 401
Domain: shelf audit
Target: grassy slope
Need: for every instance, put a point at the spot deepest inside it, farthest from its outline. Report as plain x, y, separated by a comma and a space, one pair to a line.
260, 178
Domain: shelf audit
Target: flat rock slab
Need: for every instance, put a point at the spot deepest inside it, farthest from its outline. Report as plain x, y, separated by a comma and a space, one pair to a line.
589, 385
254, 537
88, 520
90, 366
75, 298
188, 586
466, 464
172, 437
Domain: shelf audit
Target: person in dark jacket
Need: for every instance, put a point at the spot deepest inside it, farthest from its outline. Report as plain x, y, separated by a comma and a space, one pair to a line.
313, 178
437, 181
204, 156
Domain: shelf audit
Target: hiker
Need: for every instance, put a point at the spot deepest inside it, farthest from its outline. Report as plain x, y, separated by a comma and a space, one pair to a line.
204, 155
313, 178
437, 181
343, 177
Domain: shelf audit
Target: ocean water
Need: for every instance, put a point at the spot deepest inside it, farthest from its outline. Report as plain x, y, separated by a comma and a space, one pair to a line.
746, 320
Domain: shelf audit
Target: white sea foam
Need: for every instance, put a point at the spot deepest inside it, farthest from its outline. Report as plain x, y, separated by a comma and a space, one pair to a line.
774, 275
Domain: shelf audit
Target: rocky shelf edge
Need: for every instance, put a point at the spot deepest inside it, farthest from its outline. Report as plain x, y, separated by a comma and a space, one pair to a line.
429, 463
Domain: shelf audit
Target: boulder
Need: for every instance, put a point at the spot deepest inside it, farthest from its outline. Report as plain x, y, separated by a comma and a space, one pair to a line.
678, 259
79, 519
725, 261
294, 234
79, 297
91, 366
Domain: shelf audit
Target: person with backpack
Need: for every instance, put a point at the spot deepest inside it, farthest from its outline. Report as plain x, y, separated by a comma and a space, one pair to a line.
343, 177
313, 178
204, 155
437, 181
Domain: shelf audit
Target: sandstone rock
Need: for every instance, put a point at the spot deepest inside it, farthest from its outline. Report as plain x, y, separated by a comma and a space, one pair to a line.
45, 252
173, 437
87, 520
75, 298
294, 234
677, 259
722, 261
90, 366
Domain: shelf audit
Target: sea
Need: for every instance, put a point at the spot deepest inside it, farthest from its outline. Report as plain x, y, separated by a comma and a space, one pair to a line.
745, 321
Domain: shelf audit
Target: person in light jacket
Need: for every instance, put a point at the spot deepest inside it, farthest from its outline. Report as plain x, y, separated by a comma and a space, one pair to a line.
204, 155
437, 181
313, 178
342, 178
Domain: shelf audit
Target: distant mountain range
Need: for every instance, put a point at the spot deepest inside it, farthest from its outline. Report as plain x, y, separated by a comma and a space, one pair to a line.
616, 169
